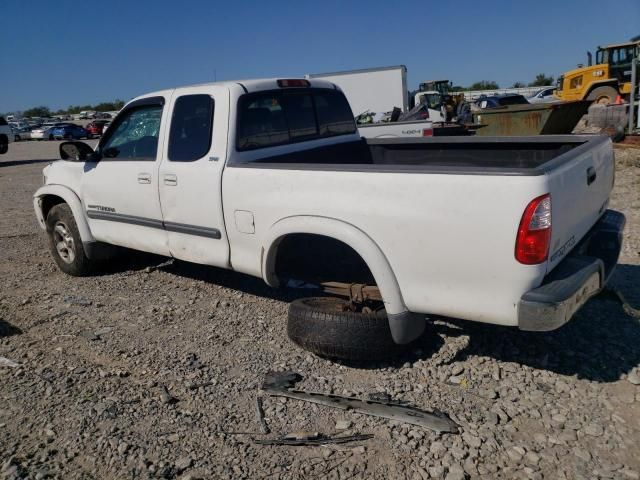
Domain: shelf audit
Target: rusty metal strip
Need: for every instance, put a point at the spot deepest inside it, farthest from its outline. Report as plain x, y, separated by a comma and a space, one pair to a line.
357, 292
279, 384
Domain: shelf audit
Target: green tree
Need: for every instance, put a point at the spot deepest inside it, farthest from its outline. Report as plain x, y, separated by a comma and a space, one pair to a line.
40, 111
109, 106
484, 85
518, 85
541, 81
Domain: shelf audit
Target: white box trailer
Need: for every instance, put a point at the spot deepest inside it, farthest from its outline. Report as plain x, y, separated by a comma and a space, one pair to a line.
371, 89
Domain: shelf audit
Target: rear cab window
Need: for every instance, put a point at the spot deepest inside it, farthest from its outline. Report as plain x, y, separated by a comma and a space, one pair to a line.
281, 117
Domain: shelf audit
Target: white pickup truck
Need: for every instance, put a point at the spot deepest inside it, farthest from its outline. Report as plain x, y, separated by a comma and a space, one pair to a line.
271, 178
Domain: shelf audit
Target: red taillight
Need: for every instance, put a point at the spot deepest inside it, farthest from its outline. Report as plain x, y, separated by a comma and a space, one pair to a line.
534, 232
427, 132
294, 82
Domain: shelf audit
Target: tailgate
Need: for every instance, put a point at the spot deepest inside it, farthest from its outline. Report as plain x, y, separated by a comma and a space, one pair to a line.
580, 188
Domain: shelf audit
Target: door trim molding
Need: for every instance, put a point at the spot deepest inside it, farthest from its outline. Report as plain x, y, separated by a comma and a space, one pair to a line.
153, 223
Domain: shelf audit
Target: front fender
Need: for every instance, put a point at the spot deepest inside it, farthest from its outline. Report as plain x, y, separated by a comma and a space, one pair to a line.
344, 232
70, 199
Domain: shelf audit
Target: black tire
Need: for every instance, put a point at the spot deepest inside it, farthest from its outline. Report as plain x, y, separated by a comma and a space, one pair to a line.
4, 144
64, 235
603, 95
319, 325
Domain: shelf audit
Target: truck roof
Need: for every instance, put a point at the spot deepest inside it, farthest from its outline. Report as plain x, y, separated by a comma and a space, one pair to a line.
616, 45
250, 85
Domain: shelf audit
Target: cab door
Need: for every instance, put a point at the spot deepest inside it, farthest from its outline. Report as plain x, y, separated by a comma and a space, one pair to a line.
120, 191
191, 175
620, 63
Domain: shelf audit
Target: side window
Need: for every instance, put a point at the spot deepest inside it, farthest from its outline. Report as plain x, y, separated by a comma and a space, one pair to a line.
191, 128
135, 136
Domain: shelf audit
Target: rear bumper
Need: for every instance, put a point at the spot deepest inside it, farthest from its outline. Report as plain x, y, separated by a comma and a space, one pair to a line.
581, 275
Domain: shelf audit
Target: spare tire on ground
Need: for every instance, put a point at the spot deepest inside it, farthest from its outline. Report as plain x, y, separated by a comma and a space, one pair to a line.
325, 326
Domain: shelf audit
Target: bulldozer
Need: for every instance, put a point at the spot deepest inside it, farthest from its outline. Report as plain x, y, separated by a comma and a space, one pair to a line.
604, 81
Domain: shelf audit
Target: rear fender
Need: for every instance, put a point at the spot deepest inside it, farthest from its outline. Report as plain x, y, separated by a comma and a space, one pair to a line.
71, 199
344, 232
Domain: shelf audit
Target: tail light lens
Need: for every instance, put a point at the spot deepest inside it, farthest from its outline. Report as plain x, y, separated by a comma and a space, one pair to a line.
534, 232
427, 132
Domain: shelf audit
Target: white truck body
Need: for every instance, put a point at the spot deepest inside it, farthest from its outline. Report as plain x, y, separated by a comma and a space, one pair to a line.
418, 128
435, 220
371, 89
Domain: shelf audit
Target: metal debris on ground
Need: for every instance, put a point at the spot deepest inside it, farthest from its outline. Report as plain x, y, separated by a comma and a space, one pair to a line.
620, 298
5, 362
264, 428
153, 268
281, 384
311, 439
77, 301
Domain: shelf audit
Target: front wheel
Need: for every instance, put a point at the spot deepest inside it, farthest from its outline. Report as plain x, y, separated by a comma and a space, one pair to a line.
603, 95
327, 327
65, 242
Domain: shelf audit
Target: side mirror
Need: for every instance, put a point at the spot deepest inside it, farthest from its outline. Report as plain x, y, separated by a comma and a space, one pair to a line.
77, 152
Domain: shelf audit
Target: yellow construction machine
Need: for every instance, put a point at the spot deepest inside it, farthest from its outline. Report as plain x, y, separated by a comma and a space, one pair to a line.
605, 80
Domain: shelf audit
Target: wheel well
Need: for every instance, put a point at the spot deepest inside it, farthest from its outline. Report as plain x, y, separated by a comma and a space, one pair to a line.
4, 138
612, 84
318, 258
48, 202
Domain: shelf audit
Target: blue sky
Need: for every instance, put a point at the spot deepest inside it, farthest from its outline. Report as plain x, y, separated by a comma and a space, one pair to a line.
62, 52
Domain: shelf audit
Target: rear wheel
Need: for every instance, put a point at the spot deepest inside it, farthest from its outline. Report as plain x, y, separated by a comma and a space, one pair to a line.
327, 327
65, 242
603, 95
4, 144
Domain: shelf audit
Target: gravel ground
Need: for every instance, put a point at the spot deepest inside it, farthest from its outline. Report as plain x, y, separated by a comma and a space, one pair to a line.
153, 373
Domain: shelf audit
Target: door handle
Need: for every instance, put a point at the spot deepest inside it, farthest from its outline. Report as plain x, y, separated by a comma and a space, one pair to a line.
171, 180
591, 175
144, 178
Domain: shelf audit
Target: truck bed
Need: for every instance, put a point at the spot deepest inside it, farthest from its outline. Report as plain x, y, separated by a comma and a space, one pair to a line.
452, 155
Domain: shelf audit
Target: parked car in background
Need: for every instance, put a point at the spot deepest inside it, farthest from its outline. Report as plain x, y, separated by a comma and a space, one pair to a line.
70, 131
96, 128
6, 136
544, 95
18, 124
21, 133
44, 132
